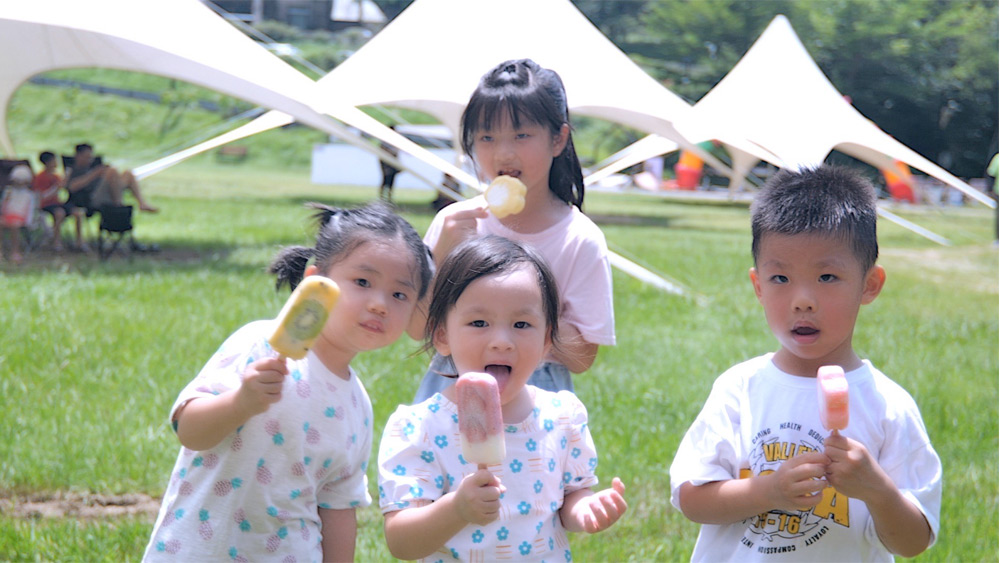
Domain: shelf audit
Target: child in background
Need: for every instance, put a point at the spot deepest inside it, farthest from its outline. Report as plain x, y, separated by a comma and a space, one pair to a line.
494, 309
47, 185
275, 451
517, 124
17, 208
757, 469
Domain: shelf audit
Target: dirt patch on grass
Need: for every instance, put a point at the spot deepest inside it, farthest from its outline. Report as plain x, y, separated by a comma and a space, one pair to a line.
78, 506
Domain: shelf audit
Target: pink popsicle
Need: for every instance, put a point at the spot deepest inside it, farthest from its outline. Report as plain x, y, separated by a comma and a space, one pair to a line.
480, 420
831, 386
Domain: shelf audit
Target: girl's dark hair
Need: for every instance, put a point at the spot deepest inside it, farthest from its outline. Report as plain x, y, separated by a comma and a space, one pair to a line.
826, 200
340, 231
528, 92
483, 256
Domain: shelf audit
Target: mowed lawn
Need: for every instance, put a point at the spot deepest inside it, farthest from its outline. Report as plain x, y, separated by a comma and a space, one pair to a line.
93, 354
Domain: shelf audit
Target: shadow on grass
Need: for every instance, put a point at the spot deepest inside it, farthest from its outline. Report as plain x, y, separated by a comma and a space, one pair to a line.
126, 262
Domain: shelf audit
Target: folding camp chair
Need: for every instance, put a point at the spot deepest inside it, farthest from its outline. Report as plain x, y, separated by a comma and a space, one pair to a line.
116, 222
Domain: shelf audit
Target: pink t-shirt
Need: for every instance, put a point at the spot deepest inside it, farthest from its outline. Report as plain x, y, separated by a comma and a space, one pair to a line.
577, 254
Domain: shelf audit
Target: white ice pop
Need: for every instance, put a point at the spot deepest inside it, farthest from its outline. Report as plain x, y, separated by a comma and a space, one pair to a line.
505, 196
831, 387
480, 420
303, 316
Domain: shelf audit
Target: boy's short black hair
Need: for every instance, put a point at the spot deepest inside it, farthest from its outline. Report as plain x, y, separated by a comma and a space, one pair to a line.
827, 200
46, 156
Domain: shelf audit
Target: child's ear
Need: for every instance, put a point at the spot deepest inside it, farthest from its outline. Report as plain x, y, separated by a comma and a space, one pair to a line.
873, 284
440, 341
559, 141
311, 270
755, 280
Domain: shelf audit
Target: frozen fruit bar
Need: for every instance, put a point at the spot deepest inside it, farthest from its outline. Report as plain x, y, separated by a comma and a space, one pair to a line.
303, 316
831, 385
480, 420
505, 196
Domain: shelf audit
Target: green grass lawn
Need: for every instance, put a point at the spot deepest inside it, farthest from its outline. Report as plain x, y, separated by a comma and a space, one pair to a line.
93, 354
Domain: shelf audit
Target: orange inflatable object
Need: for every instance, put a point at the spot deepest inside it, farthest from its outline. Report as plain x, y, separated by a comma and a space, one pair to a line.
688, 171
900, 182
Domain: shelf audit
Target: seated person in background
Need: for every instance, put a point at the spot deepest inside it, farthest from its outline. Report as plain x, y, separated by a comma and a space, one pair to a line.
93, 185
46, 185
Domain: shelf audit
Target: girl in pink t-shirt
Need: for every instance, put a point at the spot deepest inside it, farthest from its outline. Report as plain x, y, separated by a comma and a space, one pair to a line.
517, 124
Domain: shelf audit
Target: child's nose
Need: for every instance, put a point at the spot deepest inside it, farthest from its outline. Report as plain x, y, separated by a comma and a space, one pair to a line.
501, 340
804, 300
376, 303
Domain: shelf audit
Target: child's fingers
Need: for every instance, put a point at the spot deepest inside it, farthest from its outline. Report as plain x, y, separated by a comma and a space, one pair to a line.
618, 486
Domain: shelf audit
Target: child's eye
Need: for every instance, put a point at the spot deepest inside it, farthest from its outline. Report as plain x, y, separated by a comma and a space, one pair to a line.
401, 296
485, 138
478, 324
522, 324
778, 278
826, 278
362, 282
523, 135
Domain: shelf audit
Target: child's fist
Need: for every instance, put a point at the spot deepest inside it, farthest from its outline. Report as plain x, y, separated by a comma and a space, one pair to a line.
261, 384
478, 497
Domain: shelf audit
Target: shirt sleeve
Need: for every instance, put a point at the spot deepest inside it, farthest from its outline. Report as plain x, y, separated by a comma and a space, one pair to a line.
580, 463
588, 298
910, 460
710, 449
407, 463
348, 489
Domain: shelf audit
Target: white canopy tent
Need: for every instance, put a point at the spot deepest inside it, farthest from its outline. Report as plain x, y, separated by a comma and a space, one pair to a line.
779, 93
431, 56
781, 99
145, 36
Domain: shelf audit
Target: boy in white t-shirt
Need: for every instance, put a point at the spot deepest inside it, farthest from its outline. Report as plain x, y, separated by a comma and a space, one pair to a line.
757, 469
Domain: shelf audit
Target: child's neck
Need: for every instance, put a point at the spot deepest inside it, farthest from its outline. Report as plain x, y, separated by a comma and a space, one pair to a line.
803, 367
518, 408
336, 360
542, 209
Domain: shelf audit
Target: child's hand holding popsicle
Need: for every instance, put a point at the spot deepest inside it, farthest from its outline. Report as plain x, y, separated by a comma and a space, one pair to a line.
852, 469
299, 324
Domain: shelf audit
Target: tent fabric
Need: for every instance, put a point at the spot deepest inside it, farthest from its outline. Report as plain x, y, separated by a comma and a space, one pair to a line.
778, 93
780, 99
430, 58
144, 36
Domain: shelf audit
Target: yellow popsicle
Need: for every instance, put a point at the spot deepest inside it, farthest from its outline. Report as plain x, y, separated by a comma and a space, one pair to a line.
303, 316
505, 196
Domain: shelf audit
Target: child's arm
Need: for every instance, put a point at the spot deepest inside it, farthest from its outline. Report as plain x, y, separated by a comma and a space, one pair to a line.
456, 226
205, 421
585, 510
794, 486
340, 533
573, 351
853, 471
415, 533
